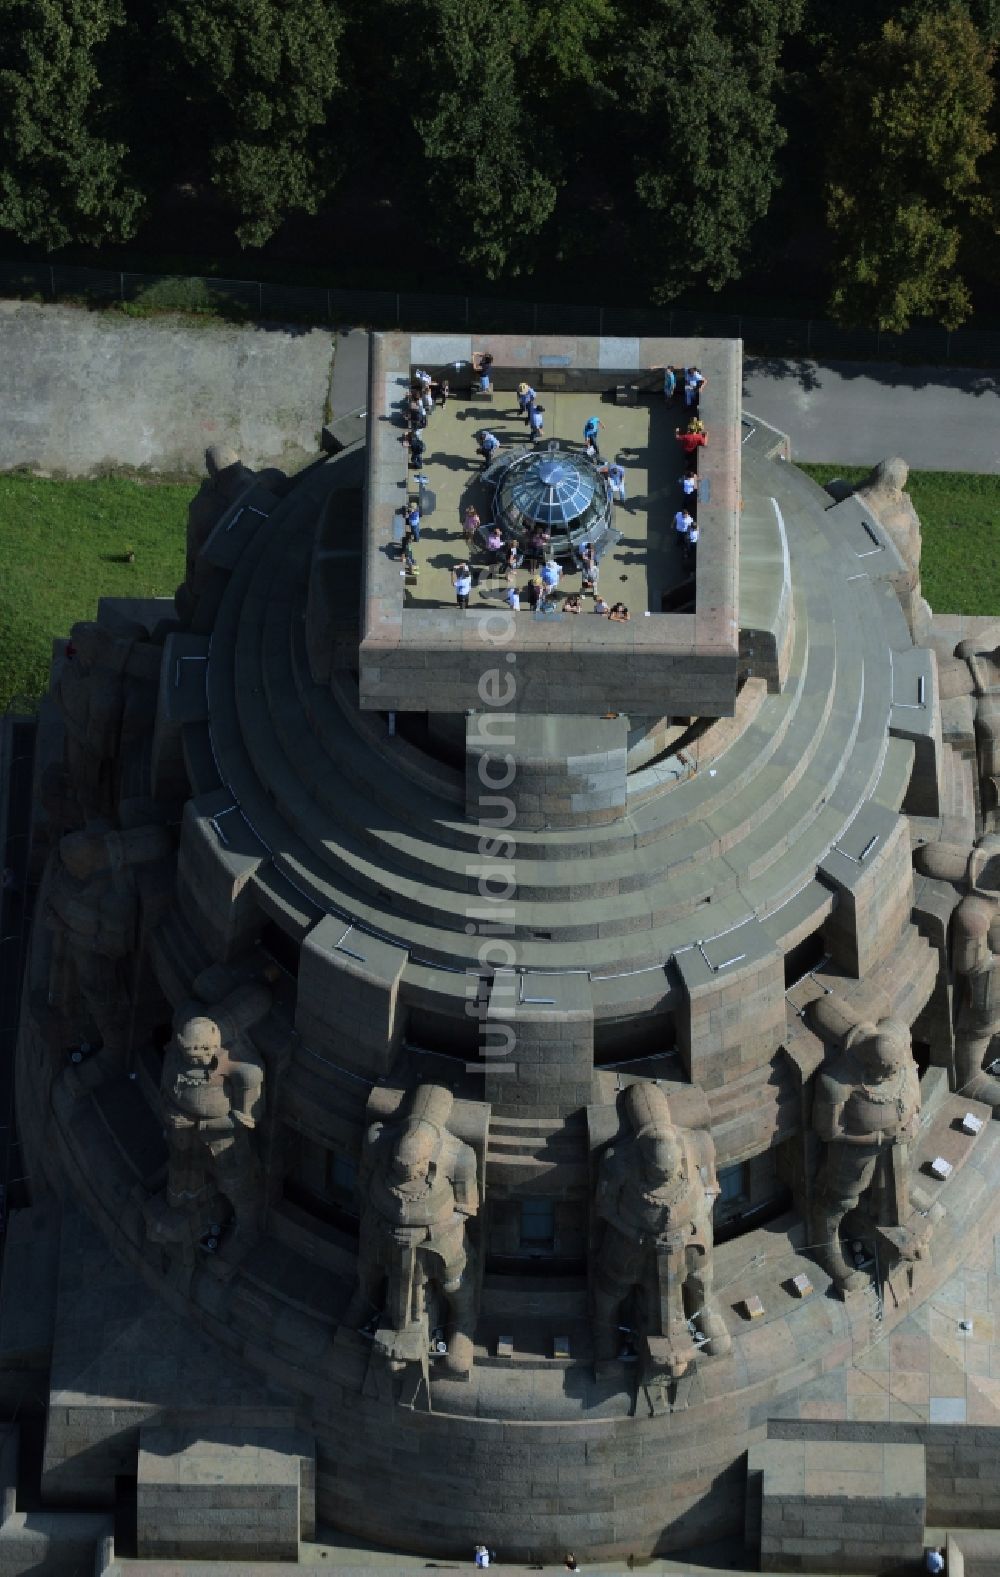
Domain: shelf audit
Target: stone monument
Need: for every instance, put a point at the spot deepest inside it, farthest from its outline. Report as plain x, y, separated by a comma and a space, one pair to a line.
446, 1029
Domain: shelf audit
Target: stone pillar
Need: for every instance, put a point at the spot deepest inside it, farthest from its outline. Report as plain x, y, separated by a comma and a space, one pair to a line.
554, 771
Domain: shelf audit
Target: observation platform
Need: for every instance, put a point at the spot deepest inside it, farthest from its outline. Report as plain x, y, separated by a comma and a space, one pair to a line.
429, 655
645, 569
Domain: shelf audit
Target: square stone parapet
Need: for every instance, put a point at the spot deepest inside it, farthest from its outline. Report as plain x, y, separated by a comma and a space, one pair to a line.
435, 659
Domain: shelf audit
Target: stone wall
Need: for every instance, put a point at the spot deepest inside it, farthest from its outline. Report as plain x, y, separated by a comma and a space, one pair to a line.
837, 1506
963, 1461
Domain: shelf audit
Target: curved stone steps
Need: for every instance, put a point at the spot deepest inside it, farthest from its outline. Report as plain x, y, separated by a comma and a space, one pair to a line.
599, 878
397, 905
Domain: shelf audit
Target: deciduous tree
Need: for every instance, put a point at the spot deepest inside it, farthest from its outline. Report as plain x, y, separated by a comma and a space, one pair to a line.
909, 113
63, 166
698, 128
260, 77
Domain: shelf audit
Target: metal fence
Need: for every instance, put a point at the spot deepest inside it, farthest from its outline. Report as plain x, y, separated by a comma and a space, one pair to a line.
405, 309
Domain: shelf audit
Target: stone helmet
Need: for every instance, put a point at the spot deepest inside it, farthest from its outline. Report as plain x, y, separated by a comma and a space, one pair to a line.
199, 1039
883, 1047
416, 1149
91, 642
971, 924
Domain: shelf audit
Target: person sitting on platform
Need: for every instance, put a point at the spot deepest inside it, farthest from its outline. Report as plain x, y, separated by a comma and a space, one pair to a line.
600, 606
573, 604
619, 612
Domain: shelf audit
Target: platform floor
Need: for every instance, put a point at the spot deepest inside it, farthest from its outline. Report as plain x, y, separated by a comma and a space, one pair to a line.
646, 564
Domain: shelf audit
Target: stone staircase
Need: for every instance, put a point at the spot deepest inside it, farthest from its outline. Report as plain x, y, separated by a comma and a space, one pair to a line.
363, 825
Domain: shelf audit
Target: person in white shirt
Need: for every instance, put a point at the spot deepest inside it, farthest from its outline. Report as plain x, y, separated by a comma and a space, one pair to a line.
689, 482
514, 600
683, 522
694, 382
461, 579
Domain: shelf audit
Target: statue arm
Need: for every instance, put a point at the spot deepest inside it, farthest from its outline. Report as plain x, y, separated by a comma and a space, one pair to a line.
464, 1182
828, 1117
246, 1093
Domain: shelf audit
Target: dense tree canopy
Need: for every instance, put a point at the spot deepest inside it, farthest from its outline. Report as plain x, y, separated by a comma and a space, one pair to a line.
675, 144
62, 175
696, 104
260, 75
912, 108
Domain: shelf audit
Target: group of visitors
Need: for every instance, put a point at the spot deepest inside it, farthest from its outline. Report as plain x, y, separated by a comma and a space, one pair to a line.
417, 408
508, 557
532, 412
688, 381
691, 439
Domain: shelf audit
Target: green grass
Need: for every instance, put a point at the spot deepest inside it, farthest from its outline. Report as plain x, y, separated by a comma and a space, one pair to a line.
960, 519
62, 547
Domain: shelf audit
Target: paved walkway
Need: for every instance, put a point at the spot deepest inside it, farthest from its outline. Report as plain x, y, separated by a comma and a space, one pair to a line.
856, 413
83, 391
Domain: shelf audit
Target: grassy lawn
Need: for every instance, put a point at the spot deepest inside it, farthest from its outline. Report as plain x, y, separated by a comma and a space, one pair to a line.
960, 516
62, 546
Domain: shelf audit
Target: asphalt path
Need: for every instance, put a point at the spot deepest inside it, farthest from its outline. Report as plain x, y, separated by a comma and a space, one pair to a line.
857, 413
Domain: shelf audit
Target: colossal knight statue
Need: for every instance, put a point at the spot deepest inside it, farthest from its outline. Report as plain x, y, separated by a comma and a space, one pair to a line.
418, 1189
655, 1192
866, 1108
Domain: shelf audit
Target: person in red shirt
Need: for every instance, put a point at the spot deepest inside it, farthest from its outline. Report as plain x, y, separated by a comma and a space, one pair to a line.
690, 442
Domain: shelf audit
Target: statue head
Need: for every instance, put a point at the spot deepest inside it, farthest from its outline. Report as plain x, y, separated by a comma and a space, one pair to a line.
199, 1041
218, 458
83, 854
971, 922
91, 643
415, 1151
882, 1048
662, 1155
889, 476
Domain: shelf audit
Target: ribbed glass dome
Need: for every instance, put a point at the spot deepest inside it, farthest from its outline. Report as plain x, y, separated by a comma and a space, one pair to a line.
551, 489
554, 491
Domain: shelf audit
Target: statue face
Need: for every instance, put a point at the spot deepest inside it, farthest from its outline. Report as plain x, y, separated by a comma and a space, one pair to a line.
412, 1157
91, 642
199, 1042
662, 1158
886, 1051
82, 854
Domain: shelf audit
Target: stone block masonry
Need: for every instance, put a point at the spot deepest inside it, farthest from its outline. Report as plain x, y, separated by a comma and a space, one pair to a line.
833, 1506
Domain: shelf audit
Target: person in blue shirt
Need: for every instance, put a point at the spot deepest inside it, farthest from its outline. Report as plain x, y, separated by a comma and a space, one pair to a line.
535, 421
489, 443
591, 428
551, 574
615, 474
669, 383
413, 521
